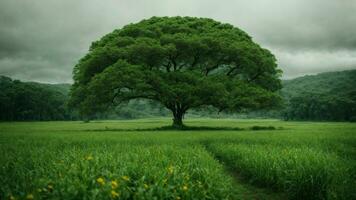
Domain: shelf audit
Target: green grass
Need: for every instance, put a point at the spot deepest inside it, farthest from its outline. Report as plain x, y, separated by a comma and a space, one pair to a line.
247, 160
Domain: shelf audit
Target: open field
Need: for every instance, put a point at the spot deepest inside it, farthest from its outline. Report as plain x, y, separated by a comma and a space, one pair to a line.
112, 159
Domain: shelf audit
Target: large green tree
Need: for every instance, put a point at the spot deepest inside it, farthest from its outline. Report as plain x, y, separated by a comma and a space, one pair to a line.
181, 62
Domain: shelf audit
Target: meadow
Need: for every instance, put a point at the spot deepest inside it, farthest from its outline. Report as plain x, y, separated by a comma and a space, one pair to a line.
134, 159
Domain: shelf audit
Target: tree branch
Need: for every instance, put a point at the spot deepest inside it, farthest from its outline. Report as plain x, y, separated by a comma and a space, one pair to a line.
195, 60
255, 77
209, 69
173, 61
168, 66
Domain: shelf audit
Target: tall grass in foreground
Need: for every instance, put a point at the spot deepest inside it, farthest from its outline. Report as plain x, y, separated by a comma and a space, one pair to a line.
75, 160
107, 171
303, 173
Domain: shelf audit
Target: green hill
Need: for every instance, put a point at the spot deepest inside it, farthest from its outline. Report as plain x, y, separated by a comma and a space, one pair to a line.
327, 96
332, 83
33, 101
62, 88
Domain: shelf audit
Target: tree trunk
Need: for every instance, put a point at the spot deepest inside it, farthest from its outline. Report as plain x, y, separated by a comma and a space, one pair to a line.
177, 119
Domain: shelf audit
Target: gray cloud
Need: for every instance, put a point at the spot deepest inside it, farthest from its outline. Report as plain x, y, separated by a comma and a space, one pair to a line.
312, 62
42, 40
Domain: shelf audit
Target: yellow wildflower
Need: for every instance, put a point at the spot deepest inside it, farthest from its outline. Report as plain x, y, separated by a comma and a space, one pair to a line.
114, 194
114, 184
126, 178
29, 196
170, 169
100, 180
178, 198
89, 158
50, 187
185, 188
145, 186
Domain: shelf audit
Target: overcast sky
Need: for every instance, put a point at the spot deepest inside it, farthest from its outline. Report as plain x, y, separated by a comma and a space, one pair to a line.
42, 40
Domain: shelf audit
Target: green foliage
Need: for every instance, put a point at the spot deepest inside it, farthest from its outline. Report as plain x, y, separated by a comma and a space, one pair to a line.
180, 62
327, 96
75, 160
38, 101
33, 101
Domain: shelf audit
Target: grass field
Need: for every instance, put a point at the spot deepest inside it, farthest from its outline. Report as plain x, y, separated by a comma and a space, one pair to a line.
116, 160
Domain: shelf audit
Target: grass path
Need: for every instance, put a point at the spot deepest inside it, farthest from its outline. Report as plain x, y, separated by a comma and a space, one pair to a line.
243, 189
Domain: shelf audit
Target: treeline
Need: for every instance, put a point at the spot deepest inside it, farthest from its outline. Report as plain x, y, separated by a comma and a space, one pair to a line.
21, 101
323, 97
322, 107
30, 101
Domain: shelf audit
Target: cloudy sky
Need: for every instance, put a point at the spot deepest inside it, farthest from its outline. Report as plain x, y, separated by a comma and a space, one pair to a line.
41, 40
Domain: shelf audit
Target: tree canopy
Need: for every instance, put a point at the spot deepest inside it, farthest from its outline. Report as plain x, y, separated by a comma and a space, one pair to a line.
181, 62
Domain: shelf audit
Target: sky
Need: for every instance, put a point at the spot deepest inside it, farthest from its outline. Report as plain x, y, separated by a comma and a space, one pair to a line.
42, 40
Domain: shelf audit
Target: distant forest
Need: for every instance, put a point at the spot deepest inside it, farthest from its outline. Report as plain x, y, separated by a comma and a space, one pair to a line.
324, 97
327, 96
20, 101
